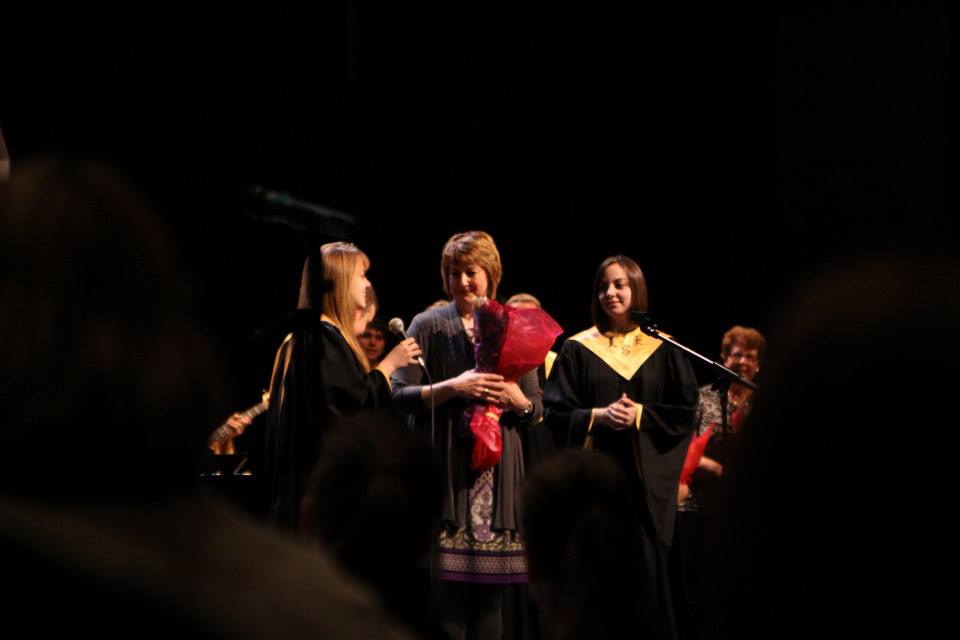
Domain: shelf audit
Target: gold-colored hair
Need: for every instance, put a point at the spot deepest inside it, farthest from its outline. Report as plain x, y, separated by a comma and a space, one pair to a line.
341, 263
524, 298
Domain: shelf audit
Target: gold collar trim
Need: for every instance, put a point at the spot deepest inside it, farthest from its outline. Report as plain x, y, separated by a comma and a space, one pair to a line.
624, 353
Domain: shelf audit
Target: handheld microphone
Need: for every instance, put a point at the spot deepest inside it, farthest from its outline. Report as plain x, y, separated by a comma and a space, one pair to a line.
396, 328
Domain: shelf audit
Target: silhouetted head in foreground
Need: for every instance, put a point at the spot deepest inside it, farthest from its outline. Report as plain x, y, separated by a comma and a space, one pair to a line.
832, 521
373, 499
106, 377
582, 533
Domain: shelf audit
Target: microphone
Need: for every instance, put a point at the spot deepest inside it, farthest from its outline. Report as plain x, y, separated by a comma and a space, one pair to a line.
275, 206
396, 328
646, 323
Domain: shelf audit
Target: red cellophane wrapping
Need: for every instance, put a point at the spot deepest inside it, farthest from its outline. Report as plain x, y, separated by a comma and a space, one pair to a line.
511, 342
694, 454
699, 444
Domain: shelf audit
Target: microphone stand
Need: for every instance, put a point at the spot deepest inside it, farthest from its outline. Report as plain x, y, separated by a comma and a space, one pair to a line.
312, 220
726, 377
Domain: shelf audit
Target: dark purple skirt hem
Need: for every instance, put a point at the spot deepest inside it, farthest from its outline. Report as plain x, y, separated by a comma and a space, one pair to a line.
483, 578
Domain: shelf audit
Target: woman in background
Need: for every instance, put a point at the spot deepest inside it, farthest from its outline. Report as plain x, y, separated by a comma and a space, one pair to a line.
693, 554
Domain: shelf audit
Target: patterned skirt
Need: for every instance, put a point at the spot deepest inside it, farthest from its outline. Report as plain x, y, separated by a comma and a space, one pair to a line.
476, 552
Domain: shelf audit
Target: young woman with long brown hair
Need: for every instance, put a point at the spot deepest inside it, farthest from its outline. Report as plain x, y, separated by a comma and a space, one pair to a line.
621, 392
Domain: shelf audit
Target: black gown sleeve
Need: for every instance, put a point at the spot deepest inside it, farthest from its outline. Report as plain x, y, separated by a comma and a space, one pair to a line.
673, 414
345, 387
324, 380
566, 416
666, 426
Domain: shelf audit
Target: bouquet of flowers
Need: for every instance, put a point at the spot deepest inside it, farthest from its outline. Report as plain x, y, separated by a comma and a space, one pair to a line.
511, 342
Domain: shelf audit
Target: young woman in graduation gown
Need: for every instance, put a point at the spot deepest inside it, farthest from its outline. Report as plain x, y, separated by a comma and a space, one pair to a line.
321, 373
619, 391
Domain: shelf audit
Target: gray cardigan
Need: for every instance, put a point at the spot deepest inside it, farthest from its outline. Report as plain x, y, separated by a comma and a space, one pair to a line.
447, 353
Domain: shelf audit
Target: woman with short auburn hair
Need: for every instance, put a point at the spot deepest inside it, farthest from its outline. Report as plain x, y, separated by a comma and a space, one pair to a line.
479, 551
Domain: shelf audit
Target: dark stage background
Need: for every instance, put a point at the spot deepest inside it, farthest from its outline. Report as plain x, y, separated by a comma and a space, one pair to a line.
734, 151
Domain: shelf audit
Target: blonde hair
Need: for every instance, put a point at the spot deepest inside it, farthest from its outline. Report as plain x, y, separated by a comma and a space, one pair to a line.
524, 298
341, 262
472, 247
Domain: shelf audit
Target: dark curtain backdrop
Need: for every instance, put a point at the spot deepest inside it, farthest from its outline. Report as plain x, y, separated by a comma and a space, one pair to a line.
734, 151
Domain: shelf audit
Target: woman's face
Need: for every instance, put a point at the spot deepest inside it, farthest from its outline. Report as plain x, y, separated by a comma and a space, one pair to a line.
372, 342
467, 283
745, 362
615, 294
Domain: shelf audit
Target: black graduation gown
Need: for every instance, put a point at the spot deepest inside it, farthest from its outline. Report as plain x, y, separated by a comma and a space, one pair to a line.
318, 379
588, 374
652, 456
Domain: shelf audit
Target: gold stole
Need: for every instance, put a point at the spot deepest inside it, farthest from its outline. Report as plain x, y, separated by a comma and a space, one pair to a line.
624, 354
548, 363
286, 352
